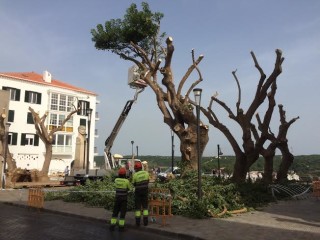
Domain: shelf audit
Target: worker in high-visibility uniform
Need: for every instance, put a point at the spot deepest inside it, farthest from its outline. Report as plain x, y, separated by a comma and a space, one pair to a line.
140, 181
122, 185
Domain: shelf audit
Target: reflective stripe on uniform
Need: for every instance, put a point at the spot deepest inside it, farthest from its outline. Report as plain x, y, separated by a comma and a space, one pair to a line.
137, 213
122, 186
121, 222
140, 179
113, 221
145, 212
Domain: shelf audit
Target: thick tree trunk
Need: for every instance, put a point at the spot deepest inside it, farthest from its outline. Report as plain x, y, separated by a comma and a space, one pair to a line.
287, 160
10, 163
268, 168
46, 164
268, 155
189, 146
240, 169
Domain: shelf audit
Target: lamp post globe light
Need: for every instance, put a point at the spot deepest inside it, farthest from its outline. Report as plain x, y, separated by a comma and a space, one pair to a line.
89, 113
3, 174
197, 96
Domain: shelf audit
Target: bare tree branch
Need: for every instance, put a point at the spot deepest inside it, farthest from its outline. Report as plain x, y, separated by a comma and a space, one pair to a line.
187, 74
239, 90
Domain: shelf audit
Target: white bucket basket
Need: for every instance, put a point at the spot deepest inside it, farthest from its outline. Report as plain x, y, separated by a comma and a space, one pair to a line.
134, 80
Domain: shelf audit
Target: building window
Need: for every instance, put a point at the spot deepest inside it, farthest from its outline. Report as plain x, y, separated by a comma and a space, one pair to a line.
61, 102
70, 102
32, 97
54, 101
14, 93
11, 116
55, 121
12, 138
83, 106
62, 140
83, 122
30, 118
29, 139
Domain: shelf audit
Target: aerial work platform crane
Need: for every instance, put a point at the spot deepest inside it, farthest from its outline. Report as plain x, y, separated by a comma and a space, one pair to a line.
139, 85
109, 159
80, 176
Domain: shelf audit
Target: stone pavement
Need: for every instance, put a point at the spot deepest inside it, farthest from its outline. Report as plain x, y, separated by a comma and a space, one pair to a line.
294, 219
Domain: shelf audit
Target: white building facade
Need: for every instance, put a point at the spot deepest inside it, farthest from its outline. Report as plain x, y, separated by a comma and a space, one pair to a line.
47, 95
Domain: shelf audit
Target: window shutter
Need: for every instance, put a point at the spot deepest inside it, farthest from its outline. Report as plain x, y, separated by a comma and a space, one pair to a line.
26, 96
14, 138
11, 116
36, 140
38, 98
30, 118
87, 105
17, 95
83, 122
23, 139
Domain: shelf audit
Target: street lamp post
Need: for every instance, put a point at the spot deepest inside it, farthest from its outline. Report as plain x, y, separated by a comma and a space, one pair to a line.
219, 154
89, 113
172, 150
132, 142
137, 151
197, 96
84, 151
5, 156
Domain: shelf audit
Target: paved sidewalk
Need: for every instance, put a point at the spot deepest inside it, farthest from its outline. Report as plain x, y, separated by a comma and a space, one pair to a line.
294, 219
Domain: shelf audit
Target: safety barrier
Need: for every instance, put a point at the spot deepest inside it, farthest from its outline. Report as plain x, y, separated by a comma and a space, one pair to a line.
36, 197
316, 188
160, 204
295, 190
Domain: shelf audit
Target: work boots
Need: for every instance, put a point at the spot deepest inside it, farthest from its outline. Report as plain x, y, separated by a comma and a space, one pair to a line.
138, 222
145, 221
112, 227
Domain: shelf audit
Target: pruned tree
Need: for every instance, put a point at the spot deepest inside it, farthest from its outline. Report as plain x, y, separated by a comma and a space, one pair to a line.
279, 141
269, 152
47, 137
11, 164
137, 38
251, 147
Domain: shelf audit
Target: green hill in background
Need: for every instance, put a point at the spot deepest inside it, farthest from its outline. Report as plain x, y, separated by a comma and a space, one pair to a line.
302, 164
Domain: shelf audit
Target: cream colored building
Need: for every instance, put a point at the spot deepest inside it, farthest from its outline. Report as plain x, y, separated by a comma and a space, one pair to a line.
45, 94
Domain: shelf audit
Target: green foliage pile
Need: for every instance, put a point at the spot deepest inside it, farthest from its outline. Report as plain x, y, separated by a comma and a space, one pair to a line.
216, 195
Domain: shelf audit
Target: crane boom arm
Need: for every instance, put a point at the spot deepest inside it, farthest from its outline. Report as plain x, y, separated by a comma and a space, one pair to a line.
109, 163
109, 141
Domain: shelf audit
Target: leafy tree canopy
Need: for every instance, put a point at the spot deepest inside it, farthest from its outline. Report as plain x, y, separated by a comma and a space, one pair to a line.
139, 27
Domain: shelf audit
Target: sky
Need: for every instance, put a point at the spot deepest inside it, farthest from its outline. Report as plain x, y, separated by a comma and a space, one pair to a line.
37, 35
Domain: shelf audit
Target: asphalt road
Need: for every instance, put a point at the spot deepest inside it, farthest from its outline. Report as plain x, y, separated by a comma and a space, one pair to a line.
21, 223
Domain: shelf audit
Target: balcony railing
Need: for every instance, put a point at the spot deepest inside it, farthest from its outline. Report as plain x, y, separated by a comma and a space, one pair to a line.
61, 149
